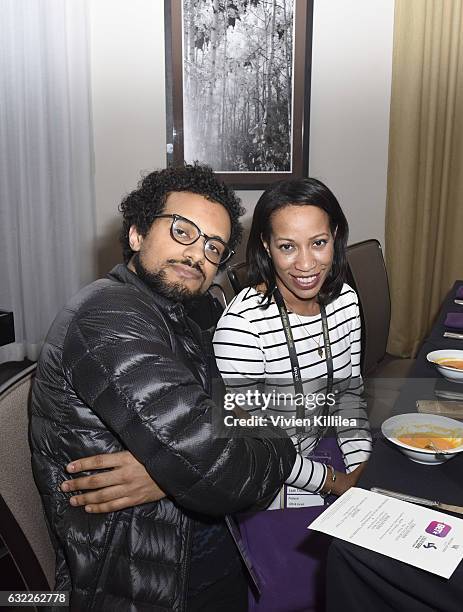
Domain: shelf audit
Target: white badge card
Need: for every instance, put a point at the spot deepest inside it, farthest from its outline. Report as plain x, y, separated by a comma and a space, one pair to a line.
298, 498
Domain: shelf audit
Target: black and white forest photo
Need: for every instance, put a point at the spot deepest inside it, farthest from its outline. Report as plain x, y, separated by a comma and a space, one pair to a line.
238, 84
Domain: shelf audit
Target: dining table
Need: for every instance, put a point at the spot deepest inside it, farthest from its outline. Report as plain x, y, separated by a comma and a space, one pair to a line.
359, 579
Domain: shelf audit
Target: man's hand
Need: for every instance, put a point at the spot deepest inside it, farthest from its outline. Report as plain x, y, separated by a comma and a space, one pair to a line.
343, 481
127, 484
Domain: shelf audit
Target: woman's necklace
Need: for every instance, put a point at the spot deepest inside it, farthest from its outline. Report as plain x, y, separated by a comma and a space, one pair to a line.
313, 338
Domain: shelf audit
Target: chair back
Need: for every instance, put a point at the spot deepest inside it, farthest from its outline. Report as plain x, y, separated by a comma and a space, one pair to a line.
368, 276
22, 523
218, 294
238, 276
207, 309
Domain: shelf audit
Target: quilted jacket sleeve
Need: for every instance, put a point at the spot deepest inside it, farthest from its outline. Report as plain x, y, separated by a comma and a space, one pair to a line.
122, 366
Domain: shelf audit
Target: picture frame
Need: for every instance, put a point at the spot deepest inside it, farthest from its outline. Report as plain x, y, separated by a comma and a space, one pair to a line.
222, 57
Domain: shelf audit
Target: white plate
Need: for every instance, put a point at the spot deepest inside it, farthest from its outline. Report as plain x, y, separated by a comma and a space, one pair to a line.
453, 374
416, 422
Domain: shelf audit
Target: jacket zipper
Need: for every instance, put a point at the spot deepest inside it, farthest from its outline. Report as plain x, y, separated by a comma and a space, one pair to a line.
109, 539
186, 565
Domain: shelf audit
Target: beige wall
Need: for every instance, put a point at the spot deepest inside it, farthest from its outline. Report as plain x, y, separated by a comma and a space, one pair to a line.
351, 85
128, 93
352, 55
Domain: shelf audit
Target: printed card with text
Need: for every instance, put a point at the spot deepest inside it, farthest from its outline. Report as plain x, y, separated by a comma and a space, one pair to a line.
425, 538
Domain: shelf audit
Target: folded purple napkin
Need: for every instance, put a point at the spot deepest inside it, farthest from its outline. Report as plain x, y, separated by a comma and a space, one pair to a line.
459, 295
454, 320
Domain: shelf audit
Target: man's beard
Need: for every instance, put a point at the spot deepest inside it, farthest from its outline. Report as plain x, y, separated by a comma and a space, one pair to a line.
157, 281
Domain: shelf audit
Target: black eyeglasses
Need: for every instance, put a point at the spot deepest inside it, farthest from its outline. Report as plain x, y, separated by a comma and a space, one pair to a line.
185, 231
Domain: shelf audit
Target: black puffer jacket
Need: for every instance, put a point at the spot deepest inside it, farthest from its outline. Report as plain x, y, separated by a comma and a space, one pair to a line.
122, 369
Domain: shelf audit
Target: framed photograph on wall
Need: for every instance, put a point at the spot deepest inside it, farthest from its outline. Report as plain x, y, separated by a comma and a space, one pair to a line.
238, 87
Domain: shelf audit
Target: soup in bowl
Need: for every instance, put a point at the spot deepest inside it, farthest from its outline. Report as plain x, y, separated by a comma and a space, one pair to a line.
430, 440
449, 363
425, 438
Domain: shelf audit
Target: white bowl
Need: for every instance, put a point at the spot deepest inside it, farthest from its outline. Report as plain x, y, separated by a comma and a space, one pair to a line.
416, 423
453, 374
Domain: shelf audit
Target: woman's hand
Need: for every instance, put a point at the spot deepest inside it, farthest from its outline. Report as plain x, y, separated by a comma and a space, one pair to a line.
343, 481
125, 485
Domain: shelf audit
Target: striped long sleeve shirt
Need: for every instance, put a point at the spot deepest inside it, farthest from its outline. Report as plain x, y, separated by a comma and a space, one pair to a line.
252, 353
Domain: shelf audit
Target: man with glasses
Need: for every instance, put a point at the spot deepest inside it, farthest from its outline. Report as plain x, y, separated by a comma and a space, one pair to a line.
124, 384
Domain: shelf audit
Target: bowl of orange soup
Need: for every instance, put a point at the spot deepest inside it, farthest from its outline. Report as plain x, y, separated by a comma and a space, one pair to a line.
425, 438
449, 363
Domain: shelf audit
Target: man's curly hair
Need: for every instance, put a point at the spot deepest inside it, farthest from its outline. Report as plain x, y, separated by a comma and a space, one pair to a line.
142, 205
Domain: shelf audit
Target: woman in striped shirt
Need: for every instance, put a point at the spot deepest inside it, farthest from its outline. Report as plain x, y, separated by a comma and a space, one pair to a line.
296, 258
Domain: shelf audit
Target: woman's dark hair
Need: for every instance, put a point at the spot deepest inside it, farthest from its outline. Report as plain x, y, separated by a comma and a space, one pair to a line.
296, 192
141, 206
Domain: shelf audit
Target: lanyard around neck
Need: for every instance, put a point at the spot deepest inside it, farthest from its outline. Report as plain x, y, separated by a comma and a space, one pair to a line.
295, 369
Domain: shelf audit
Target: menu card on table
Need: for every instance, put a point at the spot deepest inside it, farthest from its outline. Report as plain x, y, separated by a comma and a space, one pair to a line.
422, 537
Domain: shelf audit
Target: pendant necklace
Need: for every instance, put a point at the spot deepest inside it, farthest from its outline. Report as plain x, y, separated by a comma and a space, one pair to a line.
313, 338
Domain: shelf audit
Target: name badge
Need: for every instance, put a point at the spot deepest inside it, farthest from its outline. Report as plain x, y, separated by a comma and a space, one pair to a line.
298, 498
292, 497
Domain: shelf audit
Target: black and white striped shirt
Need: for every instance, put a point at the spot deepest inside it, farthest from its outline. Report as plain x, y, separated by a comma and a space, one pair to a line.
251, 351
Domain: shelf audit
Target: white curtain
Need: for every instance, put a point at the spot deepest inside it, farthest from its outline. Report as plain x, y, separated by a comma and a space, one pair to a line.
47, 209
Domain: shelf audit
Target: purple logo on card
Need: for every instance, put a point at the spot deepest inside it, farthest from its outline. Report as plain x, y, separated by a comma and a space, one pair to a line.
438, 529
